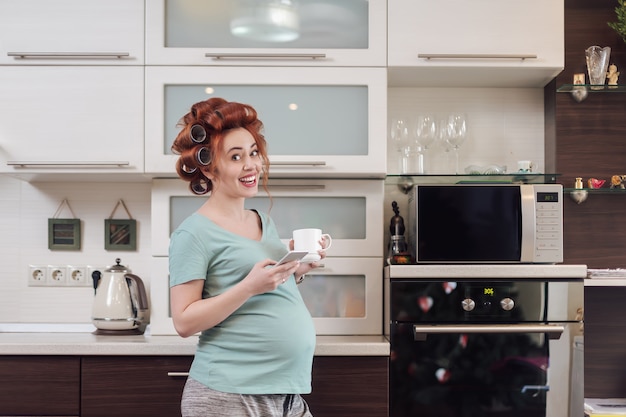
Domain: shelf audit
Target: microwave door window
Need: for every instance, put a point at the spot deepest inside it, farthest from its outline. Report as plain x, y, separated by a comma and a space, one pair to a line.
472, 224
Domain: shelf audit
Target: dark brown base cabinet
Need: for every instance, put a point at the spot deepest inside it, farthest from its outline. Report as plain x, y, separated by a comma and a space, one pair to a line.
137, 386
39, 385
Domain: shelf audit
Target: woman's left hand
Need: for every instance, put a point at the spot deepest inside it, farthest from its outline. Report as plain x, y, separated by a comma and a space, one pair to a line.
305, 268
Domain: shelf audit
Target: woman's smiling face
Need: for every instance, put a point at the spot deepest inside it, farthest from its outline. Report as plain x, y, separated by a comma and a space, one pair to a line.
239, 165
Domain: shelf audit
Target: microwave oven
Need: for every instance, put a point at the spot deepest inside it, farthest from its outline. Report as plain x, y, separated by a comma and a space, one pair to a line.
486, 223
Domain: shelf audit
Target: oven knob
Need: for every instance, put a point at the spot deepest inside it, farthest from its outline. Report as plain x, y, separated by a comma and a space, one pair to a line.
507, 304
468, 304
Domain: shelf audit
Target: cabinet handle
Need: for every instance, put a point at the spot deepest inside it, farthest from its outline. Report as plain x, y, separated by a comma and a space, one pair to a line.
178, 374
477, 56
296, 187
264, 56
63, 164
68, 55
299, 163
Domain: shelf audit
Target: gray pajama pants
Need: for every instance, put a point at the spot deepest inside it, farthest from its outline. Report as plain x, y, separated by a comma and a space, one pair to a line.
201, 401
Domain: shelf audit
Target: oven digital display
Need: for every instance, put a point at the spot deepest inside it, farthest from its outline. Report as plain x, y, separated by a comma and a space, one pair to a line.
547, 197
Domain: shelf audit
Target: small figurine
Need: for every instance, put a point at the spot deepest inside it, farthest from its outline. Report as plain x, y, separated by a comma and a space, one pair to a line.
618, 181
595, 183
612, 75
579, 183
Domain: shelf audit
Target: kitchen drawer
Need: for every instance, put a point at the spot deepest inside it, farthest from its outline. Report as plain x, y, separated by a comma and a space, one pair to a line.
133, 386
39, 385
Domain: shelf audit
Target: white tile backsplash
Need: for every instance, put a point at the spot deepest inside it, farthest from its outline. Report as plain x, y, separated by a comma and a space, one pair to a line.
24, 212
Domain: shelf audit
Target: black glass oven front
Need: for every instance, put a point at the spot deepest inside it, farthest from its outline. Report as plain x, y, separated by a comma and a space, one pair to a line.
469, 349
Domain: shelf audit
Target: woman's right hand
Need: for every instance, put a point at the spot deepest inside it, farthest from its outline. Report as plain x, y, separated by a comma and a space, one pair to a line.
265, 277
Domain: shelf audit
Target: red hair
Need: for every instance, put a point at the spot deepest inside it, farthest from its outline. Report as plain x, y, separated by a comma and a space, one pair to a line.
199, 148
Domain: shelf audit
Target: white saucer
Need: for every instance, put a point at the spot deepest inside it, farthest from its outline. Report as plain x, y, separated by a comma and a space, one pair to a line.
311, 257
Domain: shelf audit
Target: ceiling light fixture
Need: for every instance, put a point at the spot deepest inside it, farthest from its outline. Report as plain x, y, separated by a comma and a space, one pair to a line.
268, 21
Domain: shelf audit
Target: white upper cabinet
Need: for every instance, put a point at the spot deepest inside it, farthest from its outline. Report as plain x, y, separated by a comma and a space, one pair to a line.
71, 119
318, 122
271, 32
475, 43
71, 32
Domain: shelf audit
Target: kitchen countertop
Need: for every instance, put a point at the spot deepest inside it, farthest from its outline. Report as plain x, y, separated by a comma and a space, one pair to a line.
90, 344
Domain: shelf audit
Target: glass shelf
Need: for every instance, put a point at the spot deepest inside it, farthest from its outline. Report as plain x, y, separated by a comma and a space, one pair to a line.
406, 181
592, 88
605, 190
580, 195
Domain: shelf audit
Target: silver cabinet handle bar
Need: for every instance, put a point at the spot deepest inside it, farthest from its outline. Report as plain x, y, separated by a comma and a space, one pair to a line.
174, 374
421, 331
264, 56
477, 56
299, 163
68, 55
23, 164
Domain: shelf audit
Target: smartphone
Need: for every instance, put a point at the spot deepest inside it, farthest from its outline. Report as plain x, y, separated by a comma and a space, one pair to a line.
292, 256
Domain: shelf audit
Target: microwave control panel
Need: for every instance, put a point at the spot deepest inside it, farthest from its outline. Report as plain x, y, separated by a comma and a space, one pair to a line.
549, 226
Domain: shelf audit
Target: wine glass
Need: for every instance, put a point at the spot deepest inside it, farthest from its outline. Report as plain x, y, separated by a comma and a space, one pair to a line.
399, 133
456, 134
425, 131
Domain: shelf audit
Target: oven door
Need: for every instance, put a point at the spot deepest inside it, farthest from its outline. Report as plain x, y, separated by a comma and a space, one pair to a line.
470, 348
471, 370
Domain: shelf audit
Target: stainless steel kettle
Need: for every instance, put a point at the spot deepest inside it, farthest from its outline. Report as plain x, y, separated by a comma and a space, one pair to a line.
120, 304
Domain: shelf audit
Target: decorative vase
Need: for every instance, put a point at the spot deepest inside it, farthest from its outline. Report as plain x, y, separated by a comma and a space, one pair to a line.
597, 65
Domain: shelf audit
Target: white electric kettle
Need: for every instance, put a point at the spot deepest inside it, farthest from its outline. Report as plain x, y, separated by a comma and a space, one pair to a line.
120, 305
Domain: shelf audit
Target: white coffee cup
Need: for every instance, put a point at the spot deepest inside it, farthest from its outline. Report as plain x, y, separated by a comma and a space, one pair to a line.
309, 240
525, 166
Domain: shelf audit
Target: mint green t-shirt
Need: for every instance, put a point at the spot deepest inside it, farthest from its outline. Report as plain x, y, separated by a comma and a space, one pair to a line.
266, 346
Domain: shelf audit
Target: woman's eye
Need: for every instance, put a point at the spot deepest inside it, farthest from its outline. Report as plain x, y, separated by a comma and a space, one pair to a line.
254, 153
236, 157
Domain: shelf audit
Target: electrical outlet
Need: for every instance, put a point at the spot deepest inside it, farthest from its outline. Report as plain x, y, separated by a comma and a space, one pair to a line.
90, 270
77, 276
56, 275
37, 275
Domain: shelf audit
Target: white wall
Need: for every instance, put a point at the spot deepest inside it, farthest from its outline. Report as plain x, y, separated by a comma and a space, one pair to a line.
24, 212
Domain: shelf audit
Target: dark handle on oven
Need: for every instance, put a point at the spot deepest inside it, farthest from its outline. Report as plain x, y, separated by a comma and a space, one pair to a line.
536, 389
553, 331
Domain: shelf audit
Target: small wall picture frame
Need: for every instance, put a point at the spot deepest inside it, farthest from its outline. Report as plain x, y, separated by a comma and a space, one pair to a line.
64, 234
120, 234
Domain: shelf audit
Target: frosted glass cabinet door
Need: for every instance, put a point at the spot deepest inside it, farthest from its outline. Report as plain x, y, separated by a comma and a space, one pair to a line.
72, 32
268, 32
343, 295
351, 211
319, 122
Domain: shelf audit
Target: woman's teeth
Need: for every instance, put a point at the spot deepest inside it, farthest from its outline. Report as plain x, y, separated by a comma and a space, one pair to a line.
248, 180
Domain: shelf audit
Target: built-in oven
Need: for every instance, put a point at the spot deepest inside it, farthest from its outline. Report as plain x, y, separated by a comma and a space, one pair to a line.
479, 340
